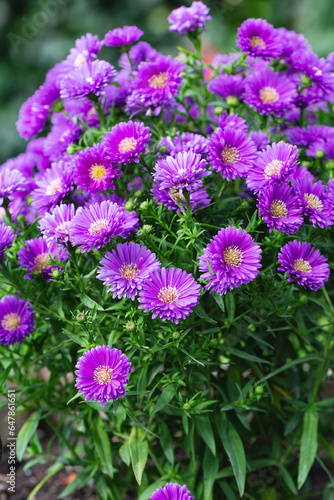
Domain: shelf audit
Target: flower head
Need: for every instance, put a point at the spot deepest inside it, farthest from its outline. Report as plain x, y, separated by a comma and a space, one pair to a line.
102, 374
6, 238
260, 139
170, 294
63, 133
230, 260
227, 85
35, 258
11, 181
125, 269
55, 226
16, 320
126, 141
259, 38
314, 201
183, 171
172, 491
232, 120
187, 141
123, 36
85, 50
90, 77
304, 263
188, 19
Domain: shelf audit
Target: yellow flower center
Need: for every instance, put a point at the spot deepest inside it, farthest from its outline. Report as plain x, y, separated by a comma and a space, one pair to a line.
232, 256
103, 375
41, 261
11, 322
268, 95
97, 172
98, 226
127, 144
314, 201
168, 294
257, 40
273, 168
159, 81
278, 209
54, 187
302, 265
129, 271
230, 155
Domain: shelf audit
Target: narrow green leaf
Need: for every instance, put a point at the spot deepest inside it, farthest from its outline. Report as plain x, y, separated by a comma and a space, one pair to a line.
245, 355
56, 467
82, 478
220, 301
138, 452
152, 488
90, 303
229, 493
230, 305
4, 374
204, 427
124, 453
210, 469
75, 337
288, 480
235, 451
309, 357
26, 432
199, 311
102, 446
308, 445
165, 397
166, 442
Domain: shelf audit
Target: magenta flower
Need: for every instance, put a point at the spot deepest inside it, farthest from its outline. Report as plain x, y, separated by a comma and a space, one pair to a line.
16, 320
174, 200
123, 36
232, 120
85, 50
126, 141
314, 201
63, 133
6, 238
230, 260
304, 263
188, 19
102, 374
260, 139
170, 294
258, 38
11, 182
172, 491
36, 258
226, 86
89, 78
55, 226
187, 141
125, 269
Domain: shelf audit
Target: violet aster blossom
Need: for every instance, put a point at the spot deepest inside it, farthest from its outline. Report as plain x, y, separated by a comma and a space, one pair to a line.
230, 260
82, 109
226, 86
187, 141
232, 120
116, 96
188, 19
258, 38
54, 185
16, 320
313, 200
302, 136
11, 181
123, 36
172, 491
291, 42
170, 294
183, 171
63, 133
93, 172
231, 153
102, 374
125, 269
155, 85
55, 226
304, 263
269, 92
141, 51
89, 78
85, 50
174, 200
94, 226
276, 163
279, 208
6, 238
260, 139
36, 258
126, 141
24, 163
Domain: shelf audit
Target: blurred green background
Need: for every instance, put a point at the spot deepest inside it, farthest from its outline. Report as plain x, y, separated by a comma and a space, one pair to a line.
35, 34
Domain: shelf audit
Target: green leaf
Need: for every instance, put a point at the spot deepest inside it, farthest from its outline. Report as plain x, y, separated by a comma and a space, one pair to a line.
166, 442
102, 446
90, 303
165, 397
75, 337
56, 467
199, 311
210, 469
82, 478
204, 427
229, 493
138, 452
288, 480
124, 453
4, 374
230, 305
308, 445
245, 355
309, 357
152, 488
235, 451
26, 432
220, 301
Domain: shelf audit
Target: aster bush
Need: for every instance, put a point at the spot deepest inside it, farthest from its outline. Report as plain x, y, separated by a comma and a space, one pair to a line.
165, 256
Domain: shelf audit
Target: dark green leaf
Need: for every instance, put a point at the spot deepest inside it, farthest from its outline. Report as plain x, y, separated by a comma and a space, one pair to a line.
102, 446
204, 427
210, 469
138, 452
26, 432
230, 305
308, 445
165, 397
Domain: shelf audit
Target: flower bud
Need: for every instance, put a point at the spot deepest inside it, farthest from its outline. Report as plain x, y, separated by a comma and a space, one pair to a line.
218, 110
144, 205
55, 273
320, 154
144, 230
81, 317
70, 149
130, 326
232, 101
129, 205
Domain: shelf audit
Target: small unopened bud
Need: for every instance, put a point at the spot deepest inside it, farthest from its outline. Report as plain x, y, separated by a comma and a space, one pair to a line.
144, 230
259, 389
130, 326
138, 193
320, 154
218, 110
306, 81
129, 205
186, 406
232, 101
81, 317
329, 164
176, 335
163, 150
70, 149
144, 205
55, 273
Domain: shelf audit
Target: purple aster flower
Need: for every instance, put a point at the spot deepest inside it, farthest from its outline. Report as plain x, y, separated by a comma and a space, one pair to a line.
125, 269
276, 163
314, 201
188, 19
259, 38
138, 53
63, 133
93, 171
174, 200
170, 294
113, 96
36, 147
123, 36
126, 141
11, 181
231, 153
184, 142
82, 109
53, 186
155, 85
85, 50
269, 92
6, 238
90, 77
172, 491
260, 139
230, 260
291, 43
183, 171
24, 163
136, 184
227, 85
55, 226
232, 120
304, 263
302, 172
36, 258
94, 226
279, 208
16, 320
102, 374
90, 199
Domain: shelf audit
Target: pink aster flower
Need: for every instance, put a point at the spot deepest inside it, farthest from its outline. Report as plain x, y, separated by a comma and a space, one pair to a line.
35, 258
172, 491
188, 19
126, 141
174, 200
63, 133
85, 50
314, 201
16, 320
90, 77
226, 86
259, 38
55, 226
6, 238
123, 36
